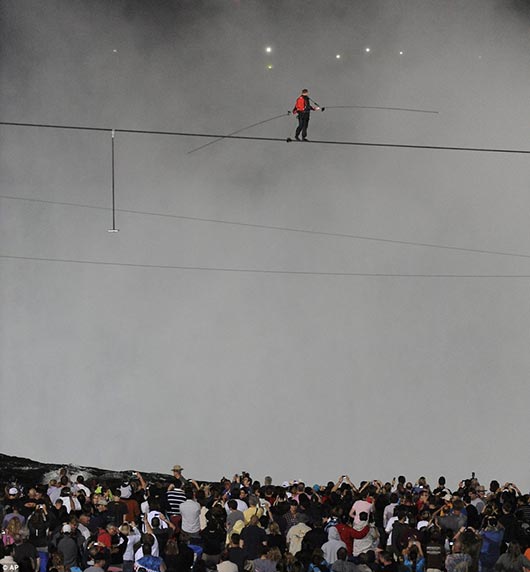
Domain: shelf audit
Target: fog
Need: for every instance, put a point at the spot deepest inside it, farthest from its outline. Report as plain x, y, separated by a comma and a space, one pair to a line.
213, 330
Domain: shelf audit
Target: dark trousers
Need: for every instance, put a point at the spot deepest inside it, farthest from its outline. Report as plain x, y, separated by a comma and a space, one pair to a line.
303, 122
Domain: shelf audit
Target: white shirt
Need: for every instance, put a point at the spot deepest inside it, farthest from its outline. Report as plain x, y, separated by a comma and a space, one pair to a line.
388, 530
156, 513
155, 551
66, 503
190, 512
80, 487
241, 505
227, 566
388, 513
361, 506
54, 493
132, 539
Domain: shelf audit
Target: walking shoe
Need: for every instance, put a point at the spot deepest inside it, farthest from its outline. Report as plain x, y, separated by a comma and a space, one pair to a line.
305, 139
297, 138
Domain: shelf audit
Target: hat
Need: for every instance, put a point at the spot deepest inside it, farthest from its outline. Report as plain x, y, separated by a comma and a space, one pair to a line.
285, 484
177, 468
447, 497
66, 528
13, 491
102, 502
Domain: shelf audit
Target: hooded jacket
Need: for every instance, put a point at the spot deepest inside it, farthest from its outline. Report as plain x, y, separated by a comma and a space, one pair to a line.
368, 541
333, 544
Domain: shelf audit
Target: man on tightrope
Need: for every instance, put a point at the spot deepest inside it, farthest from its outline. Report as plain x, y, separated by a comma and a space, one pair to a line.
303, 109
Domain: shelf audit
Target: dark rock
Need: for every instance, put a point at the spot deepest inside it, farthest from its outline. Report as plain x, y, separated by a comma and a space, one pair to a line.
27, 472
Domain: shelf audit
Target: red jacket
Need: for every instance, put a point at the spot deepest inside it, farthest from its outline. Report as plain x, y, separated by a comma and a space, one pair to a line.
348, 534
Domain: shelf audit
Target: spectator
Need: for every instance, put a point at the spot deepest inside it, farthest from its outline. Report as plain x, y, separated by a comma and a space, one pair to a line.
149, 562
236, 553
331, 547
252, 537
275, 538
179, 556
190, 511
492, 534
434, 550
512, 560
99, 563
342, 564
8, 562
295, 535
363, 505
213, 540
263, 563
68, 547
453, 517
225, 565
457, 560
132, 535
291, 517
413, 559
366, 539
25, 553
253, 510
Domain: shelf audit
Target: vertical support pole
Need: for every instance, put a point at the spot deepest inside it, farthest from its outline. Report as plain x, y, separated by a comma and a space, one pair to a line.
113, 186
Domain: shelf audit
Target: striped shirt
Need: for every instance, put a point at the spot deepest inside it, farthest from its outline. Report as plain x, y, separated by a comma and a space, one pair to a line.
174, 499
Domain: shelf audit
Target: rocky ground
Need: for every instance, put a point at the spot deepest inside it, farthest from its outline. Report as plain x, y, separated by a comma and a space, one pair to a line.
28, 472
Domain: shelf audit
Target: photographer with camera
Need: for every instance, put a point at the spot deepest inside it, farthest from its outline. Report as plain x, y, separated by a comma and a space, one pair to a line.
413, 559
492, 534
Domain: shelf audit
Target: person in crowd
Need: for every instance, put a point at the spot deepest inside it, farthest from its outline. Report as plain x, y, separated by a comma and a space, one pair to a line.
253, 537
413, 559
68, 547
492, 534
513, 560
149, 562
213, 541
434, 550
331, 547
263, 563
8, 562
342, 564
457, 560
99, 563
364, 542
275, 539
25, 553
236, 553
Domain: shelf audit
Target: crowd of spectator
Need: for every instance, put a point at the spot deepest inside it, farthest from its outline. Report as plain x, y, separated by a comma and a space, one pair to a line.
242, 525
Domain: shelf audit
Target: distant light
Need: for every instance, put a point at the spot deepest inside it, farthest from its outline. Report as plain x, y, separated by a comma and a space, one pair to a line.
367, 50
270, 66
113, 230
115, 51
268, 49
400, 53
338, 56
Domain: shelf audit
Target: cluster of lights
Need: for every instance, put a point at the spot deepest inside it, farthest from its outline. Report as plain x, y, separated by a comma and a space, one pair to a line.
367, 50
268, 50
